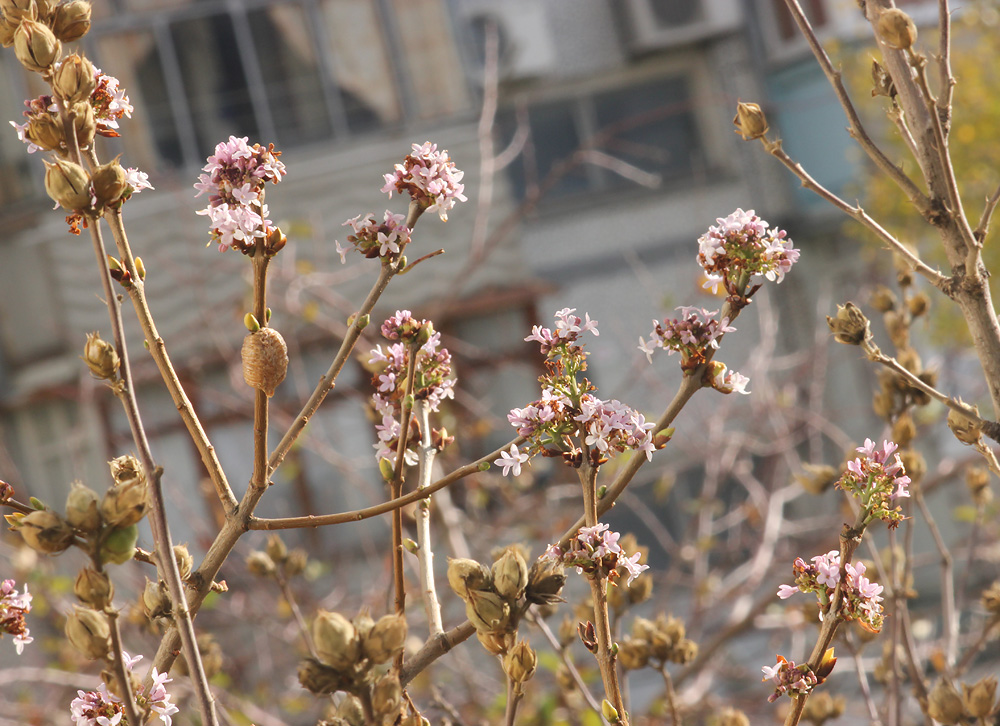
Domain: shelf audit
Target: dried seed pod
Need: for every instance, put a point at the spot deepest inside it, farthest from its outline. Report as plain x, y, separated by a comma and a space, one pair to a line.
750, 121
88, 631
265, 360
896, 29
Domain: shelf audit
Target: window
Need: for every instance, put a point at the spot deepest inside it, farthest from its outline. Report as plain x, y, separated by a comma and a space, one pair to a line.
601, 142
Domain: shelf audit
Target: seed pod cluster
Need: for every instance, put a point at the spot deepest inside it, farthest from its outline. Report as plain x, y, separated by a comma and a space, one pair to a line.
660, 641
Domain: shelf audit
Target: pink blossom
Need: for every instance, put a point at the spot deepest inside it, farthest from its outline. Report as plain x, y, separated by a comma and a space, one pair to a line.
430, 178
511, 462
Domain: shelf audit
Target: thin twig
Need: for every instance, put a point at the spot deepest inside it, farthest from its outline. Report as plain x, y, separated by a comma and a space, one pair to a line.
947, 582
425, 552
433, 649
118, 664
675, 716
563, 654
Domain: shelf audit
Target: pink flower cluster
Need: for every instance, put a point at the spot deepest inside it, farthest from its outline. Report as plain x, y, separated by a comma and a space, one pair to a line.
433, 381
727, 381
13, 607
692, 334
742, 244
110, 104
789, 678
234, 179
430, 178
101, 708
595, 551
877, 479
860, 597
387, 238
568, 329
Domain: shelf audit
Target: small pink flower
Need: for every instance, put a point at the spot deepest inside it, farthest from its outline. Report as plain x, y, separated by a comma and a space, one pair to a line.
511, 462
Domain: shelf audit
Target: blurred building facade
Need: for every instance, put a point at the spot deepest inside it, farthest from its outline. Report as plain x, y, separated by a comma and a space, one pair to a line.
612, 151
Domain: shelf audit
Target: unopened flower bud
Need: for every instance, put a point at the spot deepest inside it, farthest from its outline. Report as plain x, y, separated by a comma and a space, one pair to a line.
545, 581
510, 574
118, 546
385, 639
45, 531
336, 641
944, 704
966, 429
896, 29
265, 360
184, 560
732, 717
35, 46
109, 182
750, 121
94, 589
71, 20
850, 326
633, 654
75, 79
387, 694
520, 662
276, 548
486, 610
319, 678
126, 503
260, 564
465, 574
82, 508
88, 632
68, 184
101, 357
45, 131
155, 599
978, 698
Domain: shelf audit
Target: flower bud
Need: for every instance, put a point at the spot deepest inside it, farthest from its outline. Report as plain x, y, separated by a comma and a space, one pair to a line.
978, 699
71, 20
126, 503
486, 610
68, 184
265, 360
510, 574
336, 641
850, 326
319, 678
184, 560
94, 589
465, 574
387, 695
82, 508
276, 548
896, 29
75, 79
101, 357
385, 639
109, 182
18, 10
155, 599
35, 46
966, 429
46, 131
118, 546
260, 564
275, 241
633, 654
88, 632
750, 121
45, 531
944, 704
732, 717
545, 581
520, 662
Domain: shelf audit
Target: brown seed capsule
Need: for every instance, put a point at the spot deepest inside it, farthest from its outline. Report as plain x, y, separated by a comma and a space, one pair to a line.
883, 299
71, 20
385, 639
296, 563
944, 704
276, 548
265, 360
82, 508
45, 131
7, 30
184, 560
336, 641
510, 574
68, 184
125, 469
35, 46
260, 564
496, 643
319, 678
896, 29
486, 610
84, 123
850, 326
75, 79
155, 599
684, 652
18, 10
100, 357
750, 121
977, 479
45, 531
88, 632
351, 711
465, 574
94, 589
520, 662
633, 654
978, 698
126, 503
882, 84
545, 581
966, 429
109, 182
387, 694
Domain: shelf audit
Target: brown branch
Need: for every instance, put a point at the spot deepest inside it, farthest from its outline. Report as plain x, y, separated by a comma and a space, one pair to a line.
433, 649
